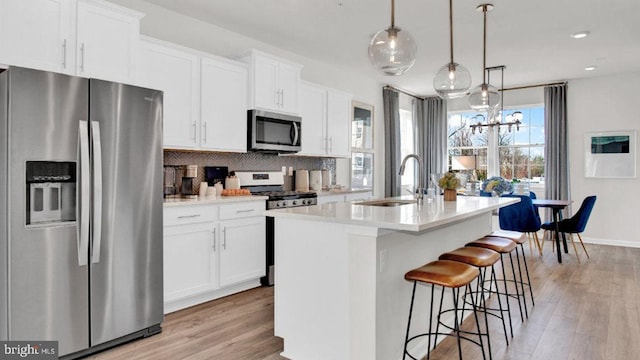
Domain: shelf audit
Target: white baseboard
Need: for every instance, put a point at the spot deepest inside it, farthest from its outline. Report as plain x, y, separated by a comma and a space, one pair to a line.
611, 242
188, 301
598, 241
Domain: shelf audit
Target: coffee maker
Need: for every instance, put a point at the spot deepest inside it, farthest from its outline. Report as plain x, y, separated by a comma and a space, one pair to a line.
187, 188
170, 183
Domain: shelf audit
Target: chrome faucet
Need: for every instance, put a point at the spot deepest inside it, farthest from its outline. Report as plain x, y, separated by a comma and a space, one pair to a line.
420, 195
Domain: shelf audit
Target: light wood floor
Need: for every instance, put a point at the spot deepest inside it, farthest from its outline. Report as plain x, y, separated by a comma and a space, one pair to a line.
583, 311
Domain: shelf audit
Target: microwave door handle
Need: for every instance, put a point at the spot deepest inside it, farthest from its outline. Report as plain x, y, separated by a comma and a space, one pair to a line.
97, 191
296, 133
83, 195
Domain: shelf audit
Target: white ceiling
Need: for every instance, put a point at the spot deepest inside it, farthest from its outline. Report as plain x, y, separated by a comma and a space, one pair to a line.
532, 38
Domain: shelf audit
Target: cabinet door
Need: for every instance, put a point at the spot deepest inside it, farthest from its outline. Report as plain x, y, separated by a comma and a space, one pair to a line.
223, 114
313, 110
339, 124
288, 83
243, 250
266, 93
176, 73
189, 260
107, 41
38, 34
328, 199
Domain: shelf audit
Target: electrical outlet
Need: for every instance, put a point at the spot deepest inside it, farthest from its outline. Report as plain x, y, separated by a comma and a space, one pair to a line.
383, 260
284, 170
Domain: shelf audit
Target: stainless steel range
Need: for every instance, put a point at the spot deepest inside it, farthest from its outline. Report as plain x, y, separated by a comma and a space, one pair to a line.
271, 184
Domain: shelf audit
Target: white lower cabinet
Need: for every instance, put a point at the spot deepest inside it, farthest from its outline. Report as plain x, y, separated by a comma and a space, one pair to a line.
211, 251
243, 250
345, 197
189, 260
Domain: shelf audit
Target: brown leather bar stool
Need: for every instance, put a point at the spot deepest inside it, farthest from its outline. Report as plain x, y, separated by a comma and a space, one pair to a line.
446, 274
519, 238
502, 246
483, 259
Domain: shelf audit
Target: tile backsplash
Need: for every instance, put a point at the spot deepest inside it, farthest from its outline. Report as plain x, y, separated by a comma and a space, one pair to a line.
245, 161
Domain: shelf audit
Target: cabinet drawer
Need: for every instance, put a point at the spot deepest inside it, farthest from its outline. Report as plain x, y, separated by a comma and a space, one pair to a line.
242, 209
190, 214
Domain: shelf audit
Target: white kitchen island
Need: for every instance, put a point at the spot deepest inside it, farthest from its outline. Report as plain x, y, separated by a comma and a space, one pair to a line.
340, 291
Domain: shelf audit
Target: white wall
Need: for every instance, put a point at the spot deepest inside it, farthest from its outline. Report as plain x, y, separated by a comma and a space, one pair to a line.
604, 104
170, 26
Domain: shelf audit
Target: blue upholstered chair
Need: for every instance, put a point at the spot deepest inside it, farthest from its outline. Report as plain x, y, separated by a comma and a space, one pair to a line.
522, 217
576, 224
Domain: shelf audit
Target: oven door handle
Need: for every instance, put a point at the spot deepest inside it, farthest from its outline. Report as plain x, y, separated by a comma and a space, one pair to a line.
296, 133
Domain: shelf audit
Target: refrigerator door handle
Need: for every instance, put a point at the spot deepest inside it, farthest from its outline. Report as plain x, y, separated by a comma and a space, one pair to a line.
85, 189
97, 191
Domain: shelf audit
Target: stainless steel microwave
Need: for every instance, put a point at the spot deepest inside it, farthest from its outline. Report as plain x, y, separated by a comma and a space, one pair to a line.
273, 132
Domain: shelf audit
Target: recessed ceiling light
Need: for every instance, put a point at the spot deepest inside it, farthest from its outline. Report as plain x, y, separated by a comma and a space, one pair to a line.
580, 34
590, 68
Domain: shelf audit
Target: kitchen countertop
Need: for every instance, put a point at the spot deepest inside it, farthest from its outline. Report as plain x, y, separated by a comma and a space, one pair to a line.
211, 200
409, 217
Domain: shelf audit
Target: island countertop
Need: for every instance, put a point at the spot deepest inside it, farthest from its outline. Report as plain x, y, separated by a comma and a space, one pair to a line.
408, 217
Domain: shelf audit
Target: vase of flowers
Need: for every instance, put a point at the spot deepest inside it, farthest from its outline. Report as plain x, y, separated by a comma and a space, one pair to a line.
497, 186
449, 183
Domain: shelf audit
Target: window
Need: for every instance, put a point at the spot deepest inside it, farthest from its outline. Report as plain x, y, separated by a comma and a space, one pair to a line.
519, 149
463, 141
362, 146
521, 153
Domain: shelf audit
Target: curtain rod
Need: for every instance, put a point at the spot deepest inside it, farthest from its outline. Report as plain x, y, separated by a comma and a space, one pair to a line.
506, 89
534, 86
404, 92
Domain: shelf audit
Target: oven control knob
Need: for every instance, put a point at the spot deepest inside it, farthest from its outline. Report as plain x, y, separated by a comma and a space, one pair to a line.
294, 203
306, 202
281, 204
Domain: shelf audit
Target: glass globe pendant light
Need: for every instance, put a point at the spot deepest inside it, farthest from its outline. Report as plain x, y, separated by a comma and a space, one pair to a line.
452, 80
392, 51
484, 97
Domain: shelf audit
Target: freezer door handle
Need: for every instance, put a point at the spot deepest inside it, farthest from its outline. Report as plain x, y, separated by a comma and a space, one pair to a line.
97, 191
85, 189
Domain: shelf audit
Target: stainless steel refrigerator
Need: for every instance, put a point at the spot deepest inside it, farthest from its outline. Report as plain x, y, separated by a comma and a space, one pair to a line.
80, 210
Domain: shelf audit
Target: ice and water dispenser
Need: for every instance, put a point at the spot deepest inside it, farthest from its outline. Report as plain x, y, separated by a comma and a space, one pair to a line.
50, 192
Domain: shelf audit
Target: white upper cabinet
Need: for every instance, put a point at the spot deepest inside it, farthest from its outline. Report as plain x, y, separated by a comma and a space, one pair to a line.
326, 121
223, 97
273, 83
313, 111
176, 72
107, 41
338, 123
205, 97
89, 38
38, 34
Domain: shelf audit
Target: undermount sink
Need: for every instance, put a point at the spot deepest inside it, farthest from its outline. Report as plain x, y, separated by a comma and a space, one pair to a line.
387, 203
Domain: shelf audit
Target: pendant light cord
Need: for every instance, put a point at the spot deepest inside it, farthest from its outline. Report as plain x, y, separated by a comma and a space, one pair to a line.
393, 9
451, 28
502, 95
484, 46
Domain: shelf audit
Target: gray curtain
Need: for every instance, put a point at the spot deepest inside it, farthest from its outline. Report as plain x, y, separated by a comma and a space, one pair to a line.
392, 159
430, 117
556, 171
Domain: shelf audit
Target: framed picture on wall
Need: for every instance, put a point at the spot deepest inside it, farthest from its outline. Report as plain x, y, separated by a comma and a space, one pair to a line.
610, 154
